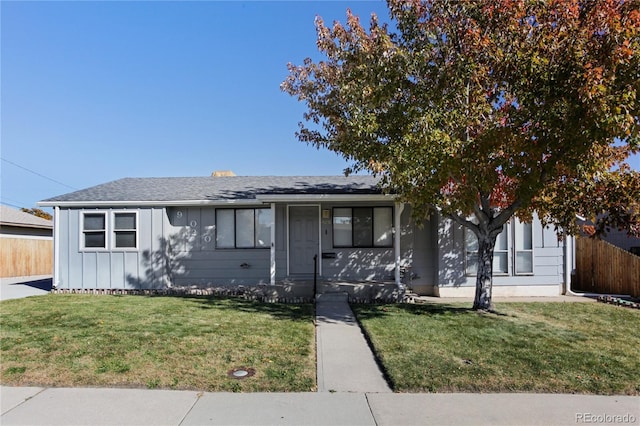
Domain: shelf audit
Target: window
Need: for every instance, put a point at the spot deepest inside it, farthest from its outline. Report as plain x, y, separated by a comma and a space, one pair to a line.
243, 228
123, 227
500, 252
125, 230
362, 227
94, 230
523, 243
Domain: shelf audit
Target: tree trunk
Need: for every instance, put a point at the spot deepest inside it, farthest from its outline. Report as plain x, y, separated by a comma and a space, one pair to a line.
484, 281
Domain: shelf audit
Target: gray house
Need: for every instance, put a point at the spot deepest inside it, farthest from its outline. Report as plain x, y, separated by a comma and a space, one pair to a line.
278, 232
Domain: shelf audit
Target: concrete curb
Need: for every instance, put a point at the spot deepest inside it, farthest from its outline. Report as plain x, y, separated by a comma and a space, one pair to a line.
95, 406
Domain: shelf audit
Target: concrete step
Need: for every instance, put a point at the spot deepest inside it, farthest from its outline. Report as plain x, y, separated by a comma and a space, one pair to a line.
337, 296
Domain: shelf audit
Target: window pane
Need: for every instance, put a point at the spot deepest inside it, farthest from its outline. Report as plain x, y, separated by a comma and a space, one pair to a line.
263, 227
125, 221
126, 239
472, 262
94, 239
470, 240
342, 227
382, 225
524, 234
524, 262
500, 263
94, 222
501, 239
225, 228
244, 228
363, 227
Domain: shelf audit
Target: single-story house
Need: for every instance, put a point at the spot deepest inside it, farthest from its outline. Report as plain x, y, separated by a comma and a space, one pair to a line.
26, 244
159, 233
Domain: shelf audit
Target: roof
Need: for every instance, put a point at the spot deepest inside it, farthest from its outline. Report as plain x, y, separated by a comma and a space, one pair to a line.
13, 217
214, 190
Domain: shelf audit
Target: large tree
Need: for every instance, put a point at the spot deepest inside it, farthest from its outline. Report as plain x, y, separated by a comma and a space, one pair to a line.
485, 110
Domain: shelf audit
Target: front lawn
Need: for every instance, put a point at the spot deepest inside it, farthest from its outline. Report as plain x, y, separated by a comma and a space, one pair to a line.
526, 347
156, 342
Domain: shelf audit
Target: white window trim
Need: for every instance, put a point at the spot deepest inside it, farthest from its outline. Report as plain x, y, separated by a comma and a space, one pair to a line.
82, 231
113, 230
353, 246
235, 247
516, 251
466, 252
506, 228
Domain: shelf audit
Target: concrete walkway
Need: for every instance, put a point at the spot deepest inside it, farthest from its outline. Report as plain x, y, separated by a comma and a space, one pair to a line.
18, 287
345, 362
81, 406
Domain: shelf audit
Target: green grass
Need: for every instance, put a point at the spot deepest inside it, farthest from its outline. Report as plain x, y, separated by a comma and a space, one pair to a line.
526, 347
156, 342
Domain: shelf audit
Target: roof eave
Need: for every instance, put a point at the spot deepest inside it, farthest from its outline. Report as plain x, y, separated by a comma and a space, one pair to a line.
26, 225
144, 203
293, 198
259, 199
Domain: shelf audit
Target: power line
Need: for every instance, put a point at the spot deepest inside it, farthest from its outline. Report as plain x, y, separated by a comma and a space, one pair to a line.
9, 204
37, 174
3, 199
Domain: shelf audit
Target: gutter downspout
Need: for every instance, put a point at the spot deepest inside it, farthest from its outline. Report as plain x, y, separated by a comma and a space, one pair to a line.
272, 269
56, 246
569, 264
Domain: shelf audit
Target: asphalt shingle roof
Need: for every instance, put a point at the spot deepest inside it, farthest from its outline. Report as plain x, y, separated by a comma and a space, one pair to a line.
13, 217
218, 188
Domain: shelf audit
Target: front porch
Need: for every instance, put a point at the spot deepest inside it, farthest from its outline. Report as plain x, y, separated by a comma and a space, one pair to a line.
354, 291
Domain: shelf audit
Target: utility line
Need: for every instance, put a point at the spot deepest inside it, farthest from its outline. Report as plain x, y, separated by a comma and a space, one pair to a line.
9, 204
3, 199
37, 174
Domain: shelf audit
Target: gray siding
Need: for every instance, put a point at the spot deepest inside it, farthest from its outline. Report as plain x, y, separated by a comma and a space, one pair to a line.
193, 258
108, 269
179, 250
548, 258
364, 264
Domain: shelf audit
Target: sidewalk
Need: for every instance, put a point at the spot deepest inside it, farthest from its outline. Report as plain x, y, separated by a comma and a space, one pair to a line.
79, 406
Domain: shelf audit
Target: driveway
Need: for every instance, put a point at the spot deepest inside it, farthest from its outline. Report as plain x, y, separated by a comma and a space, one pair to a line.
17, 287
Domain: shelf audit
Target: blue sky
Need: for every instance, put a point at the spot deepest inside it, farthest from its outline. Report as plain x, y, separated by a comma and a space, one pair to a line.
97, 91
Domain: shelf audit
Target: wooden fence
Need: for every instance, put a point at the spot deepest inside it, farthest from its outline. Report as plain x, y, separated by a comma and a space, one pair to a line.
604, 268
25, 256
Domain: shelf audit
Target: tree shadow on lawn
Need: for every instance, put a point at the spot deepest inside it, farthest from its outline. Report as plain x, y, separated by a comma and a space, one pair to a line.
296, 312
364, 312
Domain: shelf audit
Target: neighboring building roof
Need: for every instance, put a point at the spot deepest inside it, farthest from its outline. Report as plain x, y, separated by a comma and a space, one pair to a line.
13, 217
173, 190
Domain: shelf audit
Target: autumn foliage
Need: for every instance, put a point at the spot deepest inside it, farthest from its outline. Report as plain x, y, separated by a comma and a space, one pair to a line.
485, 109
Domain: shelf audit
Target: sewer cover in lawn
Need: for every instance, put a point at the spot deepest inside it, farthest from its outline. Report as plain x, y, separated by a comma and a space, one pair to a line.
241, 373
